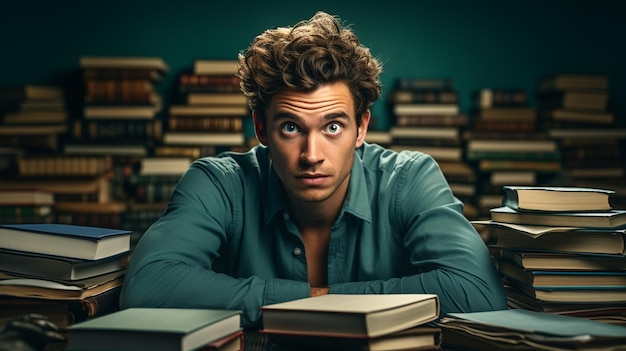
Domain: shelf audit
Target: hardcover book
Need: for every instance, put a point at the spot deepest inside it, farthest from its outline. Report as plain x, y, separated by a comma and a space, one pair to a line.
365, 316
59, 267
601, 219
557, 239
156, 329
66, 240
546, 198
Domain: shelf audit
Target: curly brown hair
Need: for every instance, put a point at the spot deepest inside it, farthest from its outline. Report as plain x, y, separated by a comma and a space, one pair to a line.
312, 53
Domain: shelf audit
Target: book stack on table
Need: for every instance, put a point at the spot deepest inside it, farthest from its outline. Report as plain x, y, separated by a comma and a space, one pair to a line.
67, 273
561, 250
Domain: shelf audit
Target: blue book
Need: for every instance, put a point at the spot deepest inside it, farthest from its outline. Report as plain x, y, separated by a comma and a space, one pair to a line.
66, 240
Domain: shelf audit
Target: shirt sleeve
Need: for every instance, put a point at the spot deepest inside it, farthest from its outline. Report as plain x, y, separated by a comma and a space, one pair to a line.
448, 255
174, 263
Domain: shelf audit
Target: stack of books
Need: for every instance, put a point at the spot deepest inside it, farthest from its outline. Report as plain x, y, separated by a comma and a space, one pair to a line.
426, 117
561, 250
355, 322
576, 112
32, 120
505, 146
121, 106
68, 273
211, 110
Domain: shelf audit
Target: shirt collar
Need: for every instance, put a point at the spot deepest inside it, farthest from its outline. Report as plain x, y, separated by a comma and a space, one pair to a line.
357, 202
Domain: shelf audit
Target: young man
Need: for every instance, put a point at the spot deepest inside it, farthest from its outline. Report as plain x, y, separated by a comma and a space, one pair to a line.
313, 209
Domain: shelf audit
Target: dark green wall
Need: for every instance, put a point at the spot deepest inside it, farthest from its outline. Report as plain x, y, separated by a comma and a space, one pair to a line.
476, 43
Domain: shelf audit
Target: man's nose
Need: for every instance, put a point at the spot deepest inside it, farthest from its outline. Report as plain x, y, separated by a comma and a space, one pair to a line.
312, 149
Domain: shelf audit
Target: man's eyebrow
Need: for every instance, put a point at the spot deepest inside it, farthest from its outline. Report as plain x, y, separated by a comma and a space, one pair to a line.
292, 116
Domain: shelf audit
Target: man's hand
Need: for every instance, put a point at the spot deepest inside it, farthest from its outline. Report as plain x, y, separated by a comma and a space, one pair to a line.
319, 291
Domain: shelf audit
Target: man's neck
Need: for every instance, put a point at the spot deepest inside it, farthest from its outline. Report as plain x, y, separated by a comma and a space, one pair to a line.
318, 215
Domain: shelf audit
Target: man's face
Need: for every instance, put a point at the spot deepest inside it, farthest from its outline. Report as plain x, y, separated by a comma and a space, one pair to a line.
311, 137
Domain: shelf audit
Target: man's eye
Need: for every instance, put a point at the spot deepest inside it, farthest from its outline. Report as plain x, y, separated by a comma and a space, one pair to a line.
334, 128
290, 128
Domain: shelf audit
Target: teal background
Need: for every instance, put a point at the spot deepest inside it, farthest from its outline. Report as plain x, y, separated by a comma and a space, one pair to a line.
478, 44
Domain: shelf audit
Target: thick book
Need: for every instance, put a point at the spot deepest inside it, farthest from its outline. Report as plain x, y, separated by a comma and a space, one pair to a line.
412, 339
62, 313
23, 286
581, 294
59, 267
27, 92
155, 329
597, 219
369, 315
25, 197
518, 329
547, 198
217, 67
563, 261
74, 241
545, 278
109, 62
557, 239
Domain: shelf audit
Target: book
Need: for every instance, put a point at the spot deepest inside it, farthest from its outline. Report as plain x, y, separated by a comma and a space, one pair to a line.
557, 239
499, 97
572, 294
59, 267
67, 240
30, 197
120, 111
350, 315
598, 219
519, 329
547, 278
27, 92
423, 96
430, 83
24, 286
209, 110
430, 109
567, 81
559, 261
208, 66
550, 198
232, 342
164, 165
579, 116
191, 138
167, 329
63, 165
575, 100
104, 148
518, 113
157, 63
62, 313
412, 339
217, 98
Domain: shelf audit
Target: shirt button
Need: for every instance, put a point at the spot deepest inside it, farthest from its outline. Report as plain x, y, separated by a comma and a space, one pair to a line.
297, 251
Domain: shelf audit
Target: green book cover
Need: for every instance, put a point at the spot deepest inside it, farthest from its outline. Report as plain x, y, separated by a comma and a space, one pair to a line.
154, 329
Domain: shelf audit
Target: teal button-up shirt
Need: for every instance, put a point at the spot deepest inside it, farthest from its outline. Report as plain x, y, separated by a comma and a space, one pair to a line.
226, 240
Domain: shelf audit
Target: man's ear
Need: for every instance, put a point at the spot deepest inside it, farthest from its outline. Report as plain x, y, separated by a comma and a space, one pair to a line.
362, 129
259, 129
